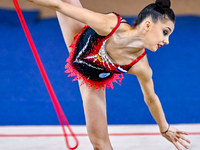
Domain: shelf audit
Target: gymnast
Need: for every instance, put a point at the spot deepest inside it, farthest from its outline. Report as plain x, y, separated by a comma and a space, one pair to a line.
104, 46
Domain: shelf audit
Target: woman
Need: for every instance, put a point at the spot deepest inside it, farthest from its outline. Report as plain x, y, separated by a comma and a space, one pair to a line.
107, 47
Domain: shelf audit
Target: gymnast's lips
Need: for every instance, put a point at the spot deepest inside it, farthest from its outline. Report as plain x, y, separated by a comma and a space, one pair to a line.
159, 46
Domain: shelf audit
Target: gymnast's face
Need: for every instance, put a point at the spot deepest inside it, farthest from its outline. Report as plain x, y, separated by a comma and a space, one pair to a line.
157, 34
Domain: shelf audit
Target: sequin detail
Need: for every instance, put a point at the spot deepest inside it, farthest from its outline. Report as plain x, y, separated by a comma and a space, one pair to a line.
102, 58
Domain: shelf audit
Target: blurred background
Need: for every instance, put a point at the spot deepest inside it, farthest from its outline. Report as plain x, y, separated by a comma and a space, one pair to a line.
24, 99
123, 7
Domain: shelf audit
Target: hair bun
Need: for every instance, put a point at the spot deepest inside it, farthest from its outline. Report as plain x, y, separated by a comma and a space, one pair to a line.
163, 3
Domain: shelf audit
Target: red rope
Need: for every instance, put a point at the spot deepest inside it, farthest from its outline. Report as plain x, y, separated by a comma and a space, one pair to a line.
61, 116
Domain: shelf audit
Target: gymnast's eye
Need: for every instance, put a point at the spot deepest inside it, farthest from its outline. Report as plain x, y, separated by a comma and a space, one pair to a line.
165, 32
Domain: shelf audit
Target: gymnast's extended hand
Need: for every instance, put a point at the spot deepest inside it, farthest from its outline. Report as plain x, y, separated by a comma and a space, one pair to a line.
175, 136
144, 76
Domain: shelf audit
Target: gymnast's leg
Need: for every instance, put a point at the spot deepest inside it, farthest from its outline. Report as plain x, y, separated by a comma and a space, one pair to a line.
69, 26
94, 102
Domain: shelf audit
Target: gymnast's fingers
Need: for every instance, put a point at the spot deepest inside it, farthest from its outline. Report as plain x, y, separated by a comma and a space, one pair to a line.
176, 144
182, 132
183, 138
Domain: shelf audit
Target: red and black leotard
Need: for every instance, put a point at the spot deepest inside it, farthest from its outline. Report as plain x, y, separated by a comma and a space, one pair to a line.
89, 62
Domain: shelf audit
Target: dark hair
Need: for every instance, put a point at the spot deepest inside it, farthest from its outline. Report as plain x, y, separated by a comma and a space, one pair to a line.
157, 11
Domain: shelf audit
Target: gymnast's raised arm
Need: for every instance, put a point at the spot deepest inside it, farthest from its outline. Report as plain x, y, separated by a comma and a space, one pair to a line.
101, 23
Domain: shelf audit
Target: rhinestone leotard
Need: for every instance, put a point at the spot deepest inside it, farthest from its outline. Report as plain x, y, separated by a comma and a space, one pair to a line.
89, 62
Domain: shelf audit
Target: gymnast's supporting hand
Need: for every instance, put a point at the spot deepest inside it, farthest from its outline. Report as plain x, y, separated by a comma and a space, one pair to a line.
154, 105
175, 136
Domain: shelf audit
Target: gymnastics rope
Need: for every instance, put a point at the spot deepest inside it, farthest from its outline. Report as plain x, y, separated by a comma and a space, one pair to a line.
60, 114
